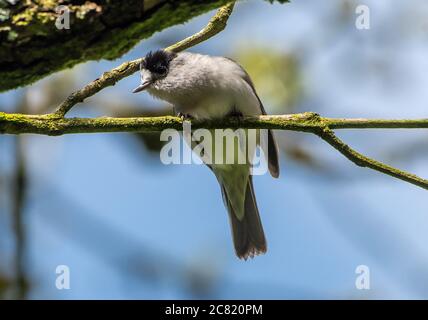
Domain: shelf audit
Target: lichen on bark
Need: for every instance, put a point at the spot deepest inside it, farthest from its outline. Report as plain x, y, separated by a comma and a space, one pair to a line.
31, 47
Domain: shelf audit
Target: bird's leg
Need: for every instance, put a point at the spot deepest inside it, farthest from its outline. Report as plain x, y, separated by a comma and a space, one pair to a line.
184, 116
236, 115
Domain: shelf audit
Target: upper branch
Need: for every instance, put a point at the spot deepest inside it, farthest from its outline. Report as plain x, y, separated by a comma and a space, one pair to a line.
217, 24
39, 37
109, 78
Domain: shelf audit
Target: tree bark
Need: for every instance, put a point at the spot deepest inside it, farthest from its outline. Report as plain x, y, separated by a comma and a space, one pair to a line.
32, 47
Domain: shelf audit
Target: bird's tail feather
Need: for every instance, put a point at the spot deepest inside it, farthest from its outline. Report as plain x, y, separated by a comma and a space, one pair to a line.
248, 235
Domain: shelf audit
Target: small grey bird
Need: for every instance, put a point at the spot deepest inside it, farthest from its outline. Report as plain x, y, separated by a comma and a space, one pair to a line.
208, 87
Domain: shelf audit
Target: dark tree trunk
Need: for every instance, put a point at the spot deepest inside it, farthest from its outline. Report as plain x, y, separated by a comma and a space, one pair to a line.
32, 47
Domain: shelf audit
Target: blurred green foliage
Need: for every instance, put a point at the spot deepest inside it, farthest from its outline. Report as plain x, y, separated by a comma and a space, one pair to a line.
277, 77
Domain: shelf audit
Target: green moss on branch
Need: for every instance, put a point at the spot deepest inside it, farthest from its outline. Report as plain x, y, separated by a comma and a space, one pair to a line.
31, 47
52, 124
55, 125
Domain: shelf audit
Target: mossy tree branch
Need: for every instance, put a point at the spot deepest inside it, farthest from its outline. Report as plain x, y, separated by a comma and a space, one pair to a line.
32, 47
215, 25
361, 160
304, 122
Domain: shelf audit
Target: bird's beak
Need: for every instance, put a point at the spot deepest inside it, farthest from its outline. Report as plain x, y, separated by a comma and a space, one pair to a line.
142, 86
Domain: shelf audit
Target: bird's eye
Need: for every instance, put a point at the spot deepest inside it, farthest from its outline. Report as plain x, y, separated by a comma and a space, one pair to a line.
162, 70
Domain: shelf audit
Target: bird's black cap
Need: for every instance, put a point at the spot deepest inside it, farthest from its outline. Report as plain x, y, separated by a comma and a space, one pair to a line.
158, 61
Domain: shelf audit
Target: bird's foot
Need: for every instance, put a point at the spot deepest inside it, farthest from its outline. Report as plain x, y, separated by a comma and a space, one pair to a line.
184, 116
236, 116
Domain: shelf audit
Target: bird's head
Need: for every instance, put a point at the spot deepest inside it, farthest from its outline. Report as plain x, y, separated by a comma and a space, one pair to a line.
154, 67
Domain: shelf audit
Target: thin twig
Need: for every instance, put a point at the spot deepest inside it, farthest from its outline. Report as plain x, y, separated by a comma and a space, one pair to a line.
363, 161
376, 123
304, 122
217, 24
110, 78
